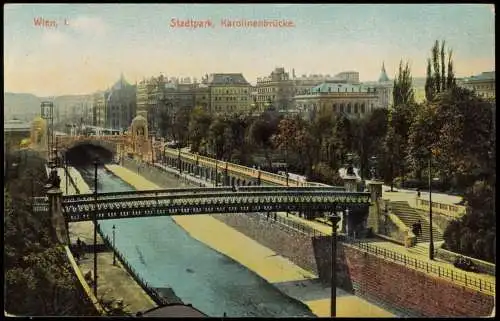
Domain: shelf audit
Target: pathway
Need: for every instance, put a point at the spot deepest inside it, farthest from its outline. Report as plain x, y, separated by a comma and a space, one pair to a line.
266, 263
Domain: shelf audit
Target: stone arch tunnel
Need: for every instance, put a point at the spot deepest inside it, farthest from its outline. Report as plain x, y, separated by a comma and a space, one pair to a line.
85, 154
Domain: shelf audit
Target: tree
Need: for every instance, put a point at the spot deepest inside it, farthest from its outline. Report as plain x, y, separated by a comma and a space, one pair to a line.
464, 147
293, 135
475, 233
199, 124
423, 135
260, 134
439, 80
38, 277
400, 118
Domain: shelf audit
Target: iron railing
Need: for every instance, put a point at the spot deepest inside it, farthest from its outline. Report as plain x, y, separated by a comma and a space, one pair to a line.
148, 288
443, 273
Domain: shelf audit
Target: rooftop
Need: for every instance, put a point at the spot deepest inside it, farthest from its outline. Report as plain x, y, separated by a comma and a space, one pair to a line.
332, 87
485, 76
16, 125
227, 79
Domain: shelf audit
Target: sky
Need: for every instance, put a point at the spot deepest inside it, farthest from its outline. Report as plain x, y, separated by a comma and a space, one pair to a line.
94, 43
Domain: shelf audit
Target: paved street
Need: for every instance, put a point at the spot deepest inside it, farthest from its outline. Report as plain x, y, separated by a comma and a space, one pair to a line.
411, 195
263, 261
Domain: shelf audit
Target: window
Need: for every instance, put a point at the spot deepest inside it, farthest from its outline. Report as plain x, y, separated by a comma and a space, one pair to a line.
355, 108
348, 108
346, 90
334, 107
363, 108
352, 89
341, 108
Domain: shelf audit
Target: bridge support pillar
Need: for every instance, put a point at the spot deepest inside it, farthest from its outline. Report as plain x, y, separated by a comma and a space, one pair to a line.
374, 215
56, 215
350, 183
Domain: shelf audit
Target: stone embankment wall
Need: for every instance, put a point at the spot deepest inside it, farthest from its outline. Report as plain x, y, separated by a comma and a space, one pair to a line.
391, 285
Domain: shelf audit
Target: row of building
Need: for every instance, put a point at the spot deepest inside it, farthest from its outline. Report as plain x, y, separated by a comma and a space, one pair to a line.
228, 93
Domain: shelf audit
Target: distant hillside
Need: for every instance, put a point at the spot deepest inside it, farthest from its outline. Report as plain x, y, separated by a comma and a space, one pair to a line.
21, 106
27, 106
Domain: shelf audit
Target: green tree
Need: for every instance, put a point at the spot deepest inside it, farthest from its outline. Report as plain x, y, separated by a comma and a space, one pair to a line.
400, 118
439, 79
475, 233
199, 124
260, 133
464, 147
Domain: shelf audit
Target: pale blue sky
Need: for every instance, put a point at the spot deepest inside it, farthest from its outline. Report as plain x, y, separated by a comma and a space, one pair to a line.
100, 41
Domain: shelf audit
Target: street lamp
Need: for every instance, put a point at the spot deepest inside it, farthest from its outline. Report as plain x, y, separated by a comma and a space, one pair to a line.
334, 219
226, 178
216, 174
96, 164
114, 246
431, 243
66, 173
179, 158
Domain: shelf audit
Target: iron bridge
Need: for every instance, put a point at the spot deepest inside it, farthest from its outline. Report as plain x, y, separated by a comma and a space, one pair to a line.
192, 201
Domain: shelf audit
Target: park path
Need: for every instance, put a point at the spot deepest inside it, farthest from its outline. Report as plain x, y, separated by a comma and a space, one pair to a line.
266, 263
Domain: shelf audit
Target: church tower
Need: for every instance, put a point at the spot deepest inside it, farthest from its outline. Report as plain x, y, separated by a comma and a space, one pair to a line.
383, 75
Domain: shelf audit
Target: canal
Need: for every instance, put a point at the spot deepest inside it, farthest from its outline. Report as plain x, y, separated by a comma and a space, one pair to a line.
166, 256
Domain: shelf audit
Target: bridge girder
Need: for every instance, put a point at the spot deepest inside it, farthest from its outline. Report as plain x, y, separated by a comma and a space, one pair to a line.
182, 203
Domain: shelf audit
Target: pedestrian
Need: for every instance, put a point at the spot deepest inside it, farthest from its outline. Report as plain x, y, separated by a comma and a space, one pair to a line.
419, 227
418, 192
414, 229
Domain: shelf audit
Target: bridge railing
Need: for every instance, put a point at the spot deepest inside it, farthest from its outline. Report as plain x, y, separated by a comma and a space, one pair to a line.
195, 190
252, 172
225, 197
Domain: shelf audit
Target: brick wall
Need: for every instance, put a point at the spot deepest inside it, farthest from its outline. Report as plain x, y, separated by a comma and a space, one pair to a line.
395, 287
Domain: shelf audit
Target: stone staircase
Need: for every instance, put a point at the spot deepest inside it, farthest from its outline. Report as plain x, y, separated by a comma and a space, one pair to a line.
409, 216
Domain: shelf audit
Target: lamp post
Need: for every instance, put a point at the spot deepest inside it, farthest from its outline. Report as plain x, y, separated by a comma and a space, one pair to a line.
431, 243
286, 162
66, 172
226, 178
179, 158
96, 164
216, 175
114, 246
334, 219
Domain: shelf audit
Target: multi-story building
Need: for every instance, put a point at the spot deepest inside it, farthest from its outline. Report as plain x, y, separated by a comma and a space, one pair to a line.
304, 84
150, 100
384, 87
351, 77
99, 108
120, 105
275, 91
201, 96
483, 84
353, 100
229, 94
159, 95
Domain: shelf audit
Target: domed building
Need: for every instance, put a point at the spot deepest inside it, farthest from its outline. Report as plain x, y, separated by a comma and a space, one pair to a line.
120, 105
116, 107
383, 87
